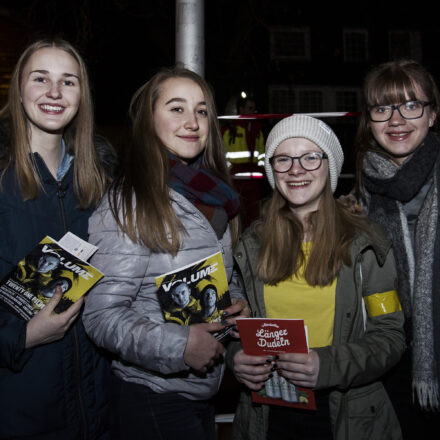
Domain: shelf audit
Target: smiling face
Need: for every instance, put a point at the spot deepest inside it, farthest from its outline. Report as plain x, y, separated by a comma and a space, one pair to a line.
50, 90
302, 189
401, 137
181, 118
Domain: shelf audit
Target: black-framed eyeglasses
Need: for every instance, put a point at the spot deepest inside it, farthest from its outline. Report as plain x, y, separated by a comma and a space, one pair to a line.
282, 163
408, 110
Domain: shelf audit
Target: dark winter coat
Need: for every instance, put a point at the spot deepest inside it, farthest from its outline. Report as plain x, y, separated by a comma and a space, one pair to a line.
56, 390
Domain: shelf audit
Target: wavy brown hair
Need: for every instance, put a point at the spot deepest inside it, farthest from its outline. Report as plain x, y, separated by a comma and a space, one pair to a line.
281, 232
139, 198
89, 176
386, 84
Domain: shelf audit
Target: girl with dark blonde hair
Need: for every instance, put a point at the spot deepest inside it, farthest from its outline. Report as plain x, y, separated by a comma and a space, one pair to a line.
398, 179
309, 258
171, 206
51, 177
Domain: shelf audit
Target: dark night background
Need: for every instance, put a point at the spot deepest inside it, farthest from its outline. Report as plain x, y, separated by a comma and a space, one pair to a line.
125, 41
290, 57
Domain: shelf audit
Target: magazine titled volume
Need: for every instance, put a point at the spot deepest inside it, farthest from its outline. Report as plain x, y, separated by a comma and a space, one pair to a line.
198, 292
265, 336
32, 283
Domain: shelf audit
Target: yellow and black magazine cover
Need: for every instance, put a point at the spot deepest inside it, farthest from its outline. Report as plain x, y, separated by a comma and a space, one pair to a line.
198, 292
32, 283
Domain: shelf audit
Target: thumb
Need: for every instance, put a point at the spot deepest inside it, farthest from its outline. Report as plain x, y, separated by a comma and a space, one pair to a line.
53, 302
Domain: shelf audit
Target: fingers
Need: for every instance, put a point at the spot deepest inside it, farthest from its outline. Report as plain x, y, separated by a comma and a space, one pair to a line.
239, 305
53, 302
73, 310
301, 369
210, 327
253, 371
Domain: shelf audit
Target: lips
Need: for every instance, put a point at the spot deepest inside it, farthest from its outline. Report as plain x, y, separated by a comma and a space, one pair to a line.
399, 136
301, 184
50, 108
190, 138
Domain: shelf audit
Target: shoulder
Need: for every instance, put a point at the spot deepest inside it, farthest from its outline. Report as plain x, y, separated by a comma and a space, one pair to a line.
102, 218
249, 244
106, 154
375, 239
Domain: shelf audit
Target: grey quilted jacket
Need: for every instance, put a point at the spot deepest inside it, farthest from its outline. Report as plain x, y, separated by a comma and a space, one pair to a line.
123, 315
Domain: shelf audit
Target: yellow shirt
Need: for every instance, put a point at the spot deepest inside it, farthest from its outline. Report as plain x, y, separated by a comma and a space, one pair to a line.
295, 299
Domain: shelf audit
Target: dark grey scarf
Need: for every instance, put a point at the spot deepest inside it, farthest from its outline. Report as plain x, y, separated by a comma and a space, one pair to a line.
418, 277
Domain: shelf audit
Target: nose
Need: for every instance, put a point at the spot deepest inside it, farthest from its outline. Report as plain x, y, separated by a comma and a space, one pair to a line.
192, 122
54, 91
396, 118
296, 167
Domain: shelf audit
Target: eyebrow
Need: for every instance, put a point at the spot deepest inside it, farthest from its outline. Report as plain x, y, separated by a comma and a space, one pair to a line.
183, 100
46, 72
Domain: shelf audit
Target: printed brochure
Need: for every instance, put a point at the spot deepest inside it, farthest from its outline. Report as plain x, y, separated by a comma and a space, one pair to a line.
269, 337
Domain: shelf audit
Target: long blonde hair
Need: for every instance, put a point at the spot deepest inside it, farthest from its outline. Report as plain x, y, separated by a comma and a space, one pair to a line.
139, 198
89, 176
332, 229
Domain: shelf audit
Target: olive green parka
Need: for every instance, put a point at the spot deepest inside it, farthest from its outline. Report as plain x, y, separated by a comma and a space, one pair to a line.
364, 346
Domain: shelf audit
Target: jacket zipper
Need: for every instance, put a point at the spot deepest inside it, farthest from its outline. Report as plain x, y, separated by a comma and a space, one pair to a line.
61, 193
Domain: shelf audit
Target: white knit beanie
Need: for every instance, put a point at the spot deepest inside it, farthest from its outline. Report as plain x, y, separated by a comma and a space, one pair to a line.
302, 126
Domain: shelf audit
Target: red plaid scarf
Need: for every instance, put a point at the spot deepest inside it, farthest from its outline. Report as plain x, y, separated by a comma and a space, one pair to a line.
217, 201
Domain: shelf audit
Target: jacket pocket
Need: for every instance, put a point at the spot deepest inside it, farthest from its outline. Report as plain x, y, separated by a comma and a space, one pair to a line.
370, 414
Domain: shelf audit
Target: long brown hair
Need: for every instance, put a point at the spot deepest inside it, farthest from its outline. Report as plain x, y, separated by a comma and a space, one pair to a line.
332, 228
89, 176
386, 84
139, 198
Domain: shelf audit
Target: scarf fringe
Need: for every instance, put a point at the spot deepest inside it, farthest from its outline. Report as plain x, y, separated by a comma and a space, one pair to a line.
427, 395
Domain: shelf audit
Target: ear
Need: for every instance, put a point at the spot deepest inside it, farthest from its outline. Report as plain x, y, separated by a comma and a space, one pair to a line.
432, 118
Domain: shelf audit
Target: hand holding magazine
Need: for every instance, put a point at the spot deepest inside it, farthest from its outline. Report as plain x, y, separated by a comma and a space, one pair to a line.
33, 282
195, 293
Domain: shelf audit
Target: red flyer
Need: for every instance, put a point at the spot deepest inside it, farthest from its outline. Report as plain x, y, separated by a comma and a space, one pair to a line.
263, 337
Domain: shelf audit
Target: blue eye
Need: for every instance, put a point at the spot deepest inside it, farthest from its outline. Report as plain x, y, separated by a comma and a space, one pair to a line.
311, 157
412, 105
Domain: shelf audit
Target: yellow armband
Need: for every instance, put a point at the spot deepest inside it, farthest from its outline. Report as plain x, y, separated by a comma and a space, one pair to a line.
382, 303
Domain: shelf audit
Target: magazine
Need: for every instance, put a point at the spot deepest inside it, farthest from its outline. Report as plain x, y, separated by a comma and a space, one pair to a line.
265, 336
32, 283
196, 293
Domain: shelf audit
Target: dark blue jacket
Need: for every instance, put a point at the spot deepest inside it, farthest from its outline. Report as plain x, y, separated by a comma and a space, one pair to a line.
57, 390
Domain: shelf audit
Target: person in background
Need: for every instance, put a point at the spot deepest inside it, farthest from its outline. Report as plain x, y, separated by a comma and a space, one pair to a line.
398, 172
171, 206
53, 380
244, 144
310, 258
243, 139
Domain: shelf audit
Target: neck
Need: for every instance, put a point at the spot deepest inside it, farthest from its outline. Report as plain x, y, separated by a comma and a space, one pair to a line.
49, 147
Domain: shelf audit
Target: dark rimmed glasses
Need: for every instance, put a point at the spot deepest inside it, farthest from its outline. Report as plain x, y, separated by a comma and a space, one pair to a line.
282, 163
408, 110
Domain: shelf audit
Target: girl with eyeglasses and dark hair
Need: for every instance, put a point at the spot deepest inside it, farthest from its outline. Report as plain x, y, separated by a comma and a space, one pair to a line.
398, 179
309, 258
